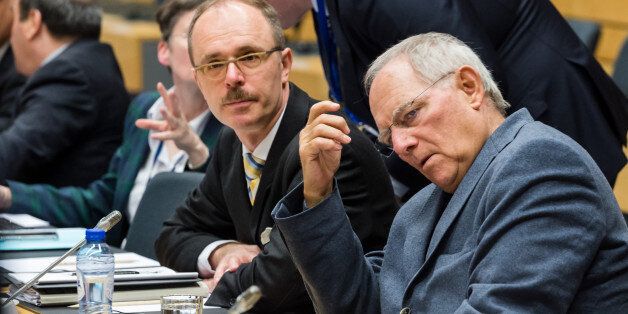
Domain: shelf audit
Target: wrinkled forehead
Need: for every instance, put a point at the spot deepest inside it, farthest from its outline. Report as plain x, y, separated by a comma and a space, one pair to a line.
395, 84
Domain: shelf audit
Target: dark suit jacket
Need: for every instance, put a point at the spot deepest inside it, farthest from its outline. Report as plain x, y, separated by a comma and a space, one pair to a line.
536, 58
76, 206
220, 209
532, 228
10, 84
68, 120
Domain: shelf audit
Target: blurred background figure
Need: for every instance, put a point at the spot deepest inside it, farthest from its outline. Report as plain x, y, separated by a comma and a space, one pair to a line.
68, 119
10, 80
181, 132
537, 59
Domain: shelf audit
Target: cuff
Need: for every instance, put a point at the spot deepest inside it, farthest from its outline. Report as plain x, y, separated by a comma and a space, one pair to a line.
202, 263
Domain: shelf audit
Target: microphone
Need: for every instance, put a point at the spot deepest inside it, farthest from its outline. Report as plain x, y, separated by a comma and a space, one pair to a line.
104, 224
107, 222
246, 300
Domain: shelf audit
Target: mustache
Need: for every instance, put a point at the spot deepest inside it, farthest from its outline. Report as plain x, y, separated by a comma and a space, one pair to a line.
237, 94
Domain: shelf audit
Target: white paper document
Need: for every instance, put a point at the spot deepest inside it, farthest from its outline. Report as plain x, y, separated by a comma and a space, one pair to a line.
37, 264
25, 220
151, 274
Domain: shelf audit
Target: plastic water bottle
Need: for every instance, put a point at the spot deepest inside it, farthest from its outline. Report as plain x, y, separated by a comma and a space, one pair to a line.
94, 271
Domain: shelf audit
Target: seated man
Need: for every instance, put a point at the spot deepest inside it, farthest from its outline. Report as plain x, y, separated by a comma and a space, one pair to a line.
519, 218
174, 148
68, 119
10, 80
242, 68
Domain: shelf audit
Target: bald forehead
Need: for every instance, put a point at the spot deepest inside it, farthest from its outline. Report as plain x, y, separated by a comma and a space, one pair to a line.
229, 24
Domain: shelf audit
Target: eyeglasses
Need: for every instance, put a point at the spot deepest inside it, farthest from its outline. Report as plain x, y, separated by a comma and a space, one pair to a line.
403, 116
246, 63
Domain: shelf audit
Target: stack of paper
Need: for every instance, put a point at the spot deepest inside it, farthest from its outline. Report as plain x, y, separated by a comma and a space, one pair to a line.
135, 278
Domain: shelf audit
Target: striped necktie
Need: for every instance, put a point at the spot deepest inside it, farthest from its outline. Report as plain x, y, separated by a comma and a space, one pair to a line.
252, 172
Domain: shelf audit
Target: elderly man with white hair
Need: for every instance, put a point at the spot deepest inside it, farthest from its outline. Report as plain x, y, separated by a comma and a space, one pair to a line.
519, 218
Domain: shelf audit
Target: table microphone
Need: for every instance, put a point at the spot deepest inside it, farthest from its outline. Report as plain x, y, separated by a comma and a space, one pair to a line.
246, 300
104, 224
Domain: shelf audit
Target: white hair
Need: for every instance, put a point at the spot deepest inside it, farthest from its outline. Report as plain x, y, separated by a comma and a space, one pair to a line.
433, 55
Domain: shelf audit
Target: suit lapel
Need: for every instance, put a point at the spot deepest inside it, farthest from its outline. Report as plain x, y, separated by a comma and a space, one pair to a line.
495, 143
430, 212
293, 120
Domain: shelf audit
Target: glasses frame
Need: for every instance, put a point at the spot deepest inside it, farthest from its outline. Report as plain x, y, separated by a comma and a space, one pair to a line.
384, 145
225, 63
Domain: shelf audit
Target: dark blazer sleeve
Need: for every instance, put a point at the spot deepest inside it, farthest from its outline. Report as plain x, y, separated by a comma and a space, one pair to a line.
185, 235
51, 115
369, 206
329, 267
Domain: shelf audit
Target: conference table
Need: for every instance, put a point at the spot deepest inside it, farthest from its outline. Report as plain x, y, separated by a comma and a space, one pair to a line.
24, 308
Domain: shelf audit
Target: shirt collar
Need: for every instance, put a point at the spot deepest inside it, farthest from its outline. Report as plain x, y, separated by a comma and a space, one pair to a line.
55, 54
263, 148
3, 49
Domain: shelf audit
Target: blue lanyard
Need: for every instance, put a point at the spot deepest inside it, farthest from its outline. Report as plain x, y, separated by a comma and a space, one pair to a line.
329, 54
327, 47
158, 151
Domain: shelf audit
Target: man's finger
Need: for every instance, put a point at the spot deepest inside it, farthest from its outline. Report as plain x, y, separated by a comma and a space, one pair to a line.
328, 132
332, 120
163, 136
320, 108
150, 124
321, 144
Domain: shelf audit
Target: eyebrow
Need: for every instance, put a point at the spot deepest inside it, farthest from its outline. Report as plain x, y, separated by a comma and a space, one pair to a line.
400, 109
239, 52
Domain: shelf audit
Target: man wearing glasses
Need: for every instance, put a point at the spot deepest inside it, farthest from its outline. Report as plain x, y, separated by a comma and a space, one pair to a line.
224, 229
519, 218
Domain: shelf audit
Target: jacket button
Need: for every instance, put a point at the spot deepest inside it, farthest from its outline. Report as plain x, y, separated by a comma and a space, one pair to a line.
405, 310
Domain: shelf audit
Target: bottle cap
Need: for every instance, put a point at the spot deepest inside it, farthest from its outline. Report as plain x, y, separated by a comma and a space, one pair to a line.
94, 235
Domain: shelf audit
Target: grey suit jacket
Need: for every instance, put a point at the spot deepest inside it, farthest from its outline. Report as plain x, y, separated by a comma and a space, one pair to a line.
532, 227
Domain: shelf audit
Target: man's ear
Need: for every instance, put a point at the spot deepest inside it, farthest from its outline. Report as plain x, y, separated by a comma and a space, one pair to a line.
286, 62
469, 82
163, 53
33, 24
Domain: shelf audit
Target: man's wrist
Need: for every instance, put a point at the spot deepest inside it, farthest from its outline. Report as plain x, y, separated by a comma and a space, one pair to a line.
217, 254
198, 156
313, 199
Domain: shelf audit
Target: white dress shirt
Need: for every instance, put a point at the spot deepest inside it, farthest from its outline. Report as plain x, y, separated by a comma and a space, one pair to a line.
158, 160
261, 152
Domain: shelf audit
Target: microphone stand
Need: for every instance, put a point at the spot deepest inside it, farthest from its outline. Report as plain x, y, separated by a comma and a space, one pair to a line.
246, 300
104, 224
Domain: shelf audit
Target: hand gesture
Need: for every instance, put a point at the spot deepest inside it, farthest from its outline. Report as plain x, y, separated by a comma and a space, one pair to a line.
228, 257
174, 126
320, 146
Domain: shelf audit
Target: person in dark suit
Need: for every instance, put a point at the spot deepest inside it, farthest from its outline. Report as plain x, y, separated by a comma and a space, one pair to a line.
10, 86
537, 59
68, 119
140, 157
10, 80
224, 229
518, 219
